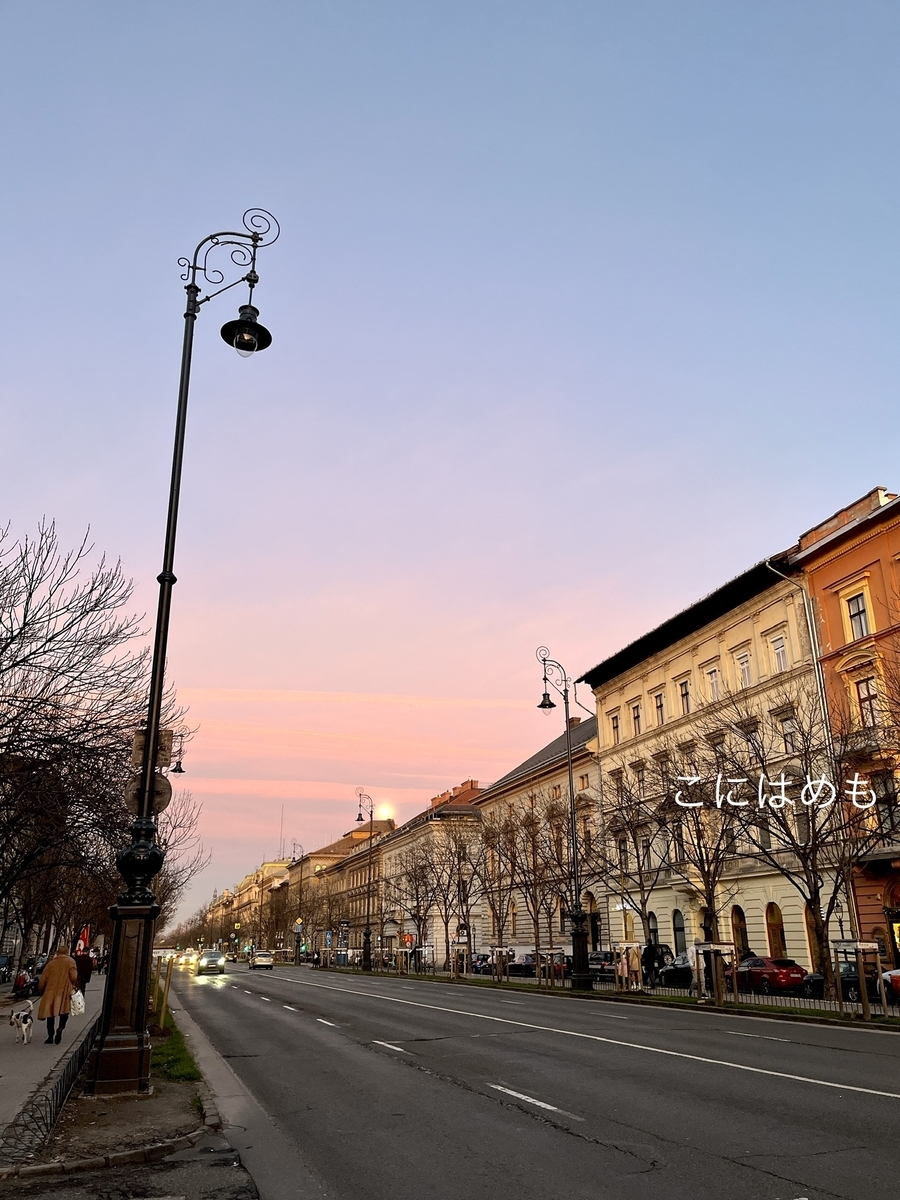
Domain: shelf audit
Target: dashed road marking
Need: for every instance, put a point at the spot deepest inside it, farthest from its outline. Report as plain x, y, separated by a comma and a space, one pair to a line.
322, 1021
390, 1046
531, 1100
288, 1007
266, 998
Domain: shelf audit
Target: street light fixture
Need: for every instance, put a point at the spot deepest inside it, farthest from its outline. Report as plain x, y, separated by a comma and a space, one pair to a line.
120, 1061
366, 802
556, 677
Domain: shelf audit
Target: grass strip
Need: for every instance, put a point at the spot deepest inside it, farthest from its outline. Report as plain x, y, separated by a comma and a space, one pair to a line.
170, 1057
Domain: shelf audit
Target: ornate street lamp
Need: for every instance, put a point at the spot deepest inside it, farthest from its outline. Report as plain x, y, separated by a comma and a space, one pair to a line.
556, 677
120, 1061
366, 802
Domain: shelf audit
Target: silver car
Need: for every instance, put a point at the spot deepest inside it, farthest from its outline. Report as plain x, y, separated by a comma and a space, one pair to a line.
262, 960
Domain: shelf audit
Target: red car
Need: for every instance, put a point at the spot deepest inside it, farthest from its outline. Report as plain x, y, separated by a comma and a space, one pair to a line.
768, 975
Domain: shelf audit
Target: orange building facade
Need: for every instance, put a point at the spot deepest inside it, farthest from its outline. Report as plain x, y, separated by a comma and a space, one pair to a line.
851, 566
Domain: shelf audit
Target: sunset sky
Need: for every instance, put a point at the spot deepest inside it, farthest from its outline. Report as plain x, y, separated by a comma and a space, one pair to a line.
579, 309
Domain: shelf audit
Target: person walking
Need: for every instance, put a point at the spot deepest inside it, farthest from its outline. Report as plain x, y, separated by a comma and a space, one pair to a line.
648, 962
84, 965
58, 979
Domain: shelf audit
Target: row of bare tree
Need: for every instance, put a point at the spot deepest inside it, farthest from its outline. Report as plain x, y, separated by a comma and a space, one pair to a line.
73, 686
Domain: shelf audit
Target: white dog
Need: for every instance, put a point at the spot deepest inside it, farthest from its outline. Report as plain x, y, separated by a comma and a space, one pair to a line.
23, 1022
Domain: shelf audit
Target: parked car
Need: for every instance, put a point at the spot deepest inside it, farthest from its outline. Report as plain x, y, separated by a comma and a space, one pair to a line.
211, 961
261, 960
813, 987
522, 965
892, 986
768, 975
481, 964
677, 974
602, 964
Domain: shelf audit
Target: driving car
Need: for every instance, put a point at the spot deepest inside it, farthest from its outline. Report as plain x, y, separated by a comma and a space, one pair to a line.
212, 961
261, 960
481, 964
768, 975
187, 957
813, 987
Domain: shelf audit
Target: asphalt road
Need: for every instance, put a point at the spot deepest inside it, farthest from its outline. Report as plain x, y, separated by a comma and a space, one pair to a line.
394, 1090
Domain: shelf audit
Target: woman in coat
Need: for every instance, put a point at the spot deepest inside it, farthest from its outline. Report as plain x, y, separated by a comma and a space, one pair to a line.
58, 979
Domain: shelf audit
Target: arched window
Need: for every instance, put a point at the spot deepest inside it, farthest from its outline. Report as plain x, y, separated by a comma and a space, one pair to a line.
739, 930
513, 921
775, 931
678, 931
629, 927
654, 928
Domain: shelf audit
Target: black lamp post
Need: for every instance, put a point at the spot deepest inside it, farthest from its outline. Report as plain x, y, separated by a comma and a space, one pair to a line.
367, 803
556, 677
120, 1061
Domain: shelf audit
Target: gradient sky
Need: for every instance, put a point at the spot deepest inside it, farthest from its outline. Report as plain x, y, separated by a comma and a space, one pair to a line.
579, 309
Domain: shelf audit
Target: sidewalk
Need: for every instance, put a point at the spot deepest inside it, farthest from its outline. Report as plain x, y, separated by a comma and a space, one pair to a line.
23, 1067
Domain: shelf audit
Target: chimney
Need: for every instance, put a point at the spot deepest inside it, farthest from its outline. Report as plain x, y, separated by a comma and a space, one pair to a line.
573, 721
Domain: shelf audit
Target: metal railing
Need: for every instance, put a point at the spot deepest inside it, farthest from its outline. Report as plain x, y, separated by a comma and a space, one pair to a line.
30, 1129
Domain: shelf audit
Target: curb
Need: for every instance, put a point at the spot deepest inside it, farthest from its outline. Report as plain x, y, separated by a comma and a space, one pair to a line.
152, 1152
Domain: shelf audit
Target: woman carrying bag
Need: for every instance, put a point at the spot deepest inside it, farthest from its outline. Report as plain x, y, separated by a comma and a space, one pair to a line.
58, 979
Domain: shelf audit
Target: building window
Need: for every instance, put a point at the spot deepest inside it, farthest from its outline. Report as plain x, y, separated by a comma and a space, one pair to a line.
677, 842
645, 854
739, 929
859, 618
640, 779
790, 735
614, 725
636, 718
867, 696
678, 931
684, 690
562, 916
775, 931
779, 653
587, 839
623, 854
660, 708
619, 784
712, 677
886, 810
584, 782
556, 791
513, 921
743, 666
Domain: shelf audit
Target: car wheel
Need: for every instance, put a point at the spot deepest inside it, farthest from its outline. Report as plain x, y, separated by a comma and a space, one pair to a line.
766, 988
853, 993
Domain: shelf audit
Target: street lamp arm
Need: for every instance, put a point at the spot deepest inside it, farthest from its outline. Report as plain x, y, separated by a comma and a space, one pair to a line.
258, 224
554, 672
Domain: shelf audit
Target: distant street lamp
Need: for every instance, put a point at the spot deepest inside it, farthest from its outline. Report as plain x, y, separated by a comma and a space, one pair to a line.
556, 677
366, 802
120, 1061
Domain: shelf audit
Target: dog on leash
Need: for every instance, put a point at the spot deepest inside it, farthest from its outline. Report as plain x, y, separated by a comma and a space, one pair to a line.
23, 1022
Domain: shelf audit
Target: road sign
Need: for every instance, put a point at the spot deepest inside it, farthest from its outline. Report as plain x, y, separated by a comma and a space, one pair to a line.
298, 926
328, 938
162, 792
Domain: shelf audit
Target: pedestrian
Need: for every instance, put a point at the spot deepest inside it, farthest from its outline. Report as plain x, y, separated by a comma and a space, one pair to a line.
648, 962
84, 965
634, 967
58, 979
695, 958
317, 958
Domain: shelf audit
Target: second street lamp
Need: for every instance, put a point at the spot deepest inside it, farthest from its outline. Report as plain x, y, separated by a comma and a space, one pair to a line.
556, 677
120, 1061
367, 802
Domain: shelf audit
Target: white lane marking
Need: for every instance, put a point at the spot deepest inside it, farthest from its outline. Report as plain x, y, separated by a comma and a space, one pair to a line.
266, 998
322, 1021
762, 1036
288, 1007
531, 1100
399, 1049
518, 1002
247, 993
595, 1037
235, 987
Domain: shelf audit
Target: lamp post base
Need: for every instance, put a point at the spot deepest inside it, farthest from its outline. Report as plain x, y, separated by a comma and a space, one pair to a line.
582, 980
120, 1062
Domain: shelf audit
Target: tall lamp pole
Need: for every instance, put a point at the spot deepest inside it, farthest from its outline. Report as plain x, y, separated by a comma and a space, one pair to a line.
366, 802
556, 677
120, 1062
